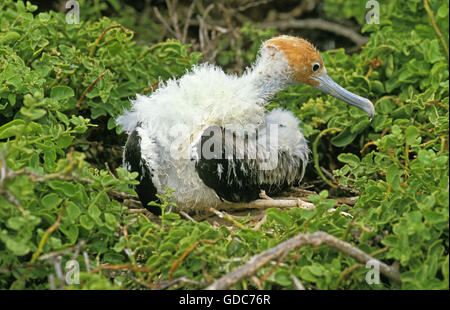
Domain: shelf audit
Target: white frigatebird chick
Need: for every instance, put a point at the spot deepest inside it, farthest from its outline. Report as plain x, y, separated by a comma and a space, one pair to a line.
208, 136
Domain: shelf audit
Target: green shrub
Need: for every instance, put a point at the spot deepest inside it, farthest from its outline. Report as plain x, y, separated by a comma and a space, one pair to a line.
62, 85
403, 174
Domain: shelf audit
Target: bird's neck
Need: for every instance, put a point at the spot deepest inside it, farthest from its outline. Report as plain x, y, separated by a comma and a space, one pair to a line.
269, 75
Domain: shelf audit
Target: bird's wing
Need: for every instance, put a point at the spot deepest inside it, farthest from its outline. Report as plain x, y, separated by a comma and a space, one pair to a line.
237, 166
134, 162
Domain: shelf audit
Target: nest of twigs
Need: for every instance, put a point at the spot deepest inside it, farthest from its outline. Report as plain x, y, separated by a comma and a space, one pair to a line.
228, 213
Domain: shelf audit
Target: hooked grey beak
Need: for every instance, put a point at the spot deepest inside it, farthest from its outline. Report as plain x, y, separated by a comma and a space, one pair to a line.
327, 85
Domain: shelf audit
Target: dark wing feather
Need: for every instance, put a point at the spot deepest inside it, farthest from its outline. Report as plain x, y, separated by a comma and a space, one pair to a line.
233, 179
134, 163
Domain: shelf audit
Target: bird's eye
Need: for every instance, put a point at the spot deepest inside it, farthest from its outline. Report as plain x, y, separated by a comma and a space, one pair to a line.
316, 66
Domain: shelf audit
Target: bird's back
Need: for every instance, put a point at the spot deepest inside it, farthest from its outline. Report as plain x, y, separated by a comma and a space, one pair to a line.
171, 119
204, 96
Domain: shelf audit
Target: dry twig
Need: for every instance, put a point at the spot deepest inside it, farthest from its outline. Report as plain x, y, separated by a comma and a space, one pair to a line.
121, 267
265, 204
99, 38
80, 101
76, 247
297, 283
185, 280
186, 253
315, 239
320, 24
46, 235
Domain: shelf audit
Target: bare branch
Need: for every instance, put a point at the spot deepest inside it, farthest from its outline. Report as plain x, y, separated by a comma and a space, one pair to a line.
188, 21
320, 24
297, 283
164, 22
187, 216
260, 223
171, 8
263, 195
315, 239
51, 281
265, 204
76, 247
12, 199
58, 269
86, 261
252, 4
185, 280
227, 217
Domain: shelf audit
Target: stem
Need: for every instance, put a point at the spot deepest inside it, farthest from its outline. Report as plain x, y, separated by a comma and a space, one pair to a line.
97, 41
47, 234
186, 253
316, 156
435, 26
80, 101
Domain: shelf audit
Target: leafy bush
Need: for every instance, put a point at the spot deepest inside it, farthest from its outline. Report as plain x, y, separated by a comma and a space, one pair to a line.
62, 85
403, 174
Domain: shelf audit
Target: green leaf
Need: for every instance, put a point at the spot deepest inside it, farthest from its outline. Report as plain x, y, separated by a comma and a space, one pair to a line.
120, 245
50, 201
63, 118
360, 126
33, 113
443, 11
307, 275
86, 222
411, 134
282, 277
73, 211
61, 92
393, 177
110, 218
9, 37
17, 247
344, 138
15, 223
350, 159
12, 128
63, 187
64, 141
94, 212
71, 231
278, 216
434, 218
12, 99
445, 270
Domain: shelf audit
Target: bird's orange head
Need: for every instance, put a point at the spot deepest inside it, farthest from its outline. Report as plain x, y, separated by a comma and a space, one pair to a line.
306, 66
303, 58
